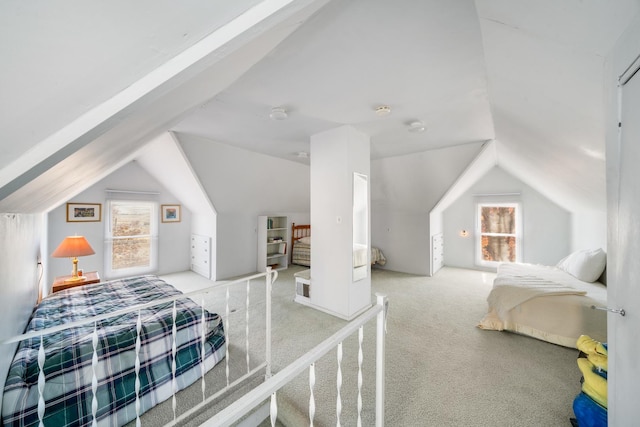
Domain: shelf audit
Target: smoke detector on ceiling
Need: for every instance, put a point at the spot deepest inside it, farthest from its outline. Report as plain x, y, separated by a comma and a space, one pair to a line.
382, 110
278, 113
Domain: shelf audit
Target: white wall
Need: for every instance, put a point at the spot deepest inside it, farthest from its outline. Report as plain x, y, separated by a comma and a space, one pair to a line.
21, 236
404, 189
242, 185
588, 230
403, 237
237, 244
546, 226
173, 240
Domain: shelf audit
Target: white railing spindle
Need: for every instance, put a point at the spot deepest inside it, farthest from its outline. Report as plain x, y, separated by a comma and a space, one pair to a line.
247, 326
41, 381
312, 399
381, 329
339, 386
271, 277
273, 412
137, 366
174, 352
360, 359
94, 375
227, 335
203, 350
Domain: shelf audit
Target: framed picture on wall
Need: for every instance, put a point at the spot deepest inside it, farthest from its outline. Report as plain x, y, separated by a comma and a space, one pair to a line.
84, 212
170, 213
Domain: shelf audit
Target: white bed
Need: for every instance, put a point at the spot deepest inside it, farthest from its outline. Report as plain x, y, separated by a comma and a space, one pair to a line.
547, 302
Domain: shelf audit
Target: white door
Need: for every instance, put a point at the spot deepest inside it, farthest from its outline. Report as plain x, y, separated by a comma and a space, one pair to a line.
624, 291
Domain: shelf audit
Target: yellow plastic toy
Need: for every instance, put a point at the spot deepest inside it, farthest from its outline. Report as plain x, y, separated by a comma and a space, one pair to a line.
596, 352
588, 345
593, 385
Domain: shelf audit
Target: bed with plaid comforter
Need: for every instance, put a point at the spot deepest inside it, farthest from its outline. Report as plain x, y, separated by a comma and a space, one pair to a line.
68, 364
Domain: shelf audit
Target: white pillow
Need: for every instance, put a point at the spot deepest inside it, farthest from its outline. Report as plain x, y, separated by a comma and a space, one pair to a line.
586, 264
305, 240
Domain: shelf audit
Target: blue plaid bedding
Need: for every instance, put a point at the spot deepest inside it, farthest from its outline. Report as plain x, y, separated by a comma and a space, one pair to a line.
68, 363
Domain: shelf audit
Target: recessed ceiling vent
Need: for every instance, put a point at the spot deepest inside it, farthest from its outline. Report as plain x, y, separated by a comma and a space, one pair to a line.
278, 113
416, 127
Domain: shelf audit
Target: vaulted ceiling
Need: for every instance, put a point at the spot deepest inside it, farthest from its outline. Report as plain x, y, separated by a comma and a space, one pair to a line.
85, 85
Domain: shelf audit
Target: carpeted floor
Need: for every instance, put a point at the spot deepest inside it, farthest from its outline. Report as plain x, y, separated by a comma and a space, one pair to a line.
441, 369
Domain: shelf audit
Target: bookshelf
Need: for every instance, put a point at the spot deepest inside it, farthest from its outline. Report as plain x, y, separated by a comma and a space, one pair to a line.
272, 242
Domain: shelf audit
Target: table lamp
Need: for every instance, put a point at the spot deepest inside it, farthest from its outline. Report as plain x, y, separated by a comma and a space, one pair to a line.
73, 247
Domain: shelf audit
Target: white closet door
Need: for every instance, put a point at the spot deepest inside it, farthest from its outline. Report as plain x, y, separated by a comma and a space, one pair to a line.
624, 292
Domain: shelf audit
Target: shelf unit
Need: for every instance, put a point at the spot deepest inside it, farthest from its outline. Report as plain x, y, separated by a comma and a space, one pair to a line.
273, 235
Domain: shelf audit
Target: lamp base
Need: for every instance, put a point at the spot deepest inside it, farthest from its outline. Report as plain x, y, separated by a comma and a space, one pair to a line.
76, 275
75, 279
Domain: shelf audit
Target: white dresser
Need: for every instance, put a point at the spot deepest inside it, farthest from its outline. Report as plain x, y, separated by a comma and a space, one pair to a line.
437, 253
201, 255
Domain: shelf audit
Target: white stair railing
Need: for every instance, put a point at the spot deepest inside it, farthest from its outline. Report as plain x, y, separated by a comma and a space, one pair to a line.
268, 390
273, 383
270, 277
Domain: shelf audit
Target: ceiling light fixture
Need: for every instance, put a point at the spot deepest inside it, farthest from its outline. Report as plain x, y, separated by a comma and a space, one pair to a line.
416, 127
278, 113
383, 110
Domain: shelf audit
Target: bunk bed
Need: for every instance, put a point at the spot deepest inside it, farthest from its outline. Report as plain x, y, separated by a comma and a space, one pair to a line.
301, 248
550, 303
68, 360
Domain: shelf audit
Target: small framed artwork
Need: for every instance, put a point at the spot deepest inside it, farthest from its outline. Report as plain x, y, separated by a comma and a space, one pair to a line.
170, 213
84, 212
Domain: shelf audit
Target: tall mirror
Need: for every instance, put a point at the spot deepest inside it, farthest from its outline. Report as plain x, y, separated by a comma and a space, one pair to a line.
360, 227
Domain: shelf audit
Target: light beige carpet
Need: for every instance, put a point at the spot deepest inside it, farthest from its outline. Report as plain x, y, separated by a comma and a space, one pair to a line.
441, 369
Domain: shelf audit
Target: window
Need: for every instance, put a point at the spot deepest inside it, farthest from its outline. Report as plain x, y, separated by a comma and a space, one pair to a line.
498, 230
131, 238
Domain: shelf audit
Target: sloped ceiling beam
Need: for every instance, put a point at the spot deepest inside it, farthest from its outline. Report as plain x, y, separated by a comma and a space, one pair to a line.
164, 159
87, 149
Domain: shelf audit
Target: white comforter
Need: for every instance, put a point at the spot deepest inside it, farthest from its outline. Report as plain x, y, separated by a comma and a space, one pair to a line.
546, 303
517, 283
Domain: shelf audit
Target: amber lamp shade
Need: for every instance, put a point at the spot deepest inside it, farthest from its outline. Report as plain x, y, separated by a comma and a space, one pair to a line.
73, 247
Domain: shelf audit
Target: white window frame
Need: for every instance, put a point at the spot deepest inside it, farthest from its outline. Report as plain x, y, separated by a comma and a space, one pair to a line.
518, 234
110, 273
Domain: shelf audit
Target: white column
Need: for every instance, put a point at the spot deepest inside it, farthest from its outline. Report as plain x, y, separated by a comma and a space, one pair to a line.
336, 155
